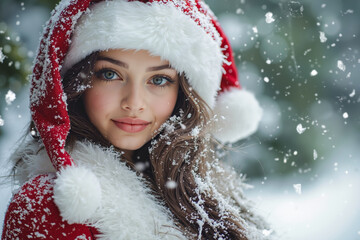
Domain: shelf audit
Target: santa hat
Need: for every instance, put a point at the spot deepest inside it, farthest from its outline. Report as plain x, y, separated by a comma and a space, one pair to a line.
184, 32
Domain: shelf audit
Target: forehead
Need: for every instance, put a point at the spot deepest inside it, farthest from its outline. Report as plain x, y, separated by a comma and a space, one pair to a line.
129, 55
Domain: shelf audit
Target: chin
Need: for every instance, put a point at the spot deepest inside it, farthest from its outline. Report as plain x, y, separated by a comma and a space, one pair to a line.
128, 145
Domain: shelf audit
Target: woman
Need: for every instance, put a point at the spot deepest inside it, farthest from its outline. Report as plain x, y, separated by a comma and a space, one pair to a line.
125, 99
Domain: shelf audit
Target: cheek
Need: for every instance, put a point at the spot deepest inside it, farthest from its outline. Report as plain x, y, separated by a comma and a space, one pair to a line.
96, 103
163, 107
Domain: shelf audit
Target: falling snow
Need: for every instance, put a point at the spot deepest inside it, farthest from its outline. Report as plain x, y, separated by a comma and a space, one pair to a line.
2, 56
341, 65
171, 184
2, 122
349, 11
239, 11
315, 154
316, 67
322, 37
313, 73
269, 17
10, 97
300, 129
297, 188
307, 51
352, 94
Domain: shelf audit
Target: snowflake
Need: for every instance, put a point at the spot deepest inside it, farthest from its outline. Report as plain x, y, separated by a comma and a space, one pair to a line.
313, 73
315, 154
2, 56
2, 122
352, 94
297, 188
10, 97
300, 129
341, 65
269, 17
171, 184
322, 37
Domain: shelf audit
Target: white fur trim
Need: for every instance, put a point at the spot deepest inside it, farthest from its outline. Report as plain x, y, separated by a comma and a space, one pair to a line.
35, 161
128, 209
238, 114
163, 30
77, 194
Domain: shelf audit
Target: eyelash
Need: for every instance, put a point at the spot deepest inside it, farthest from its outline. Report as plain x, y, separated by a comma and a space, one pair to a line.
168, 80
100, 74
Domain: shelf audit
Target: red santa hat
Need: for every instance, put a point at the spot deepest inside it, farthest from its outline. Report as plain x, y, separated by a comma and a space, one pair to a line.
184, 32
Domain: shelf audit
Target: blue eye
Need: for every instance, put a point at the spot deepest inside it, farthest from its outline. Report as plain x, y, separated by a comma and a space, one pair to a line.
161, 81
107, 74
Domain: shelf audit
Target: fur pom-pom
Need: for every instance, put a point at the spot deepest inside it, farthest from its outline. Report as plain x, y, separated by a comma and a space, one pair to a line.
77, 193
237, 113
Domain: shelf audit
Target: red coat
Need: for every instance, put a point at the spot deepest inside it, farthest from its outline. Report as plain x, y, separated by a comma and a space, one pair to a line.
128, 209
32, 214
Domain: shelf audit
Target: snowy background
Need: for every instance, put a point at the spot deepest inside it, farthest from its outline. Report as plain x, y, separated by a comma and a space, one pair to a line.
302, 61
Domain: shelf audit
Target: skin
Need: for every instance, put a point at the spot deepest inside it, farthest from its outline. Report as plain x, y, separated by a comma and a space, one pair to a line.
132, 95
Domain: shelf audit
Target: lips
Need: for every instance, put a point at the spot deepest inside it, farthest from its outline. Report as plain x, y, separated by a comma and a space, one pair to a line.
131, 125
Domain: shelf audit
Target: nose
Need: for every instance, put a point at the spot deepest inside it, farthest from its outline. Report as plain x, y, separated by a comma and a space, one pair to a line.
134, 98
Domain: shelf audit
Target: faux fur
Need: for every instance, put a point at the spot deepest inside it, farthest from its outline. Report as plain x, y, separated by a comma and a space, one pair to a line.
34, 161
127, 209
77, 193
162, 29
238, 115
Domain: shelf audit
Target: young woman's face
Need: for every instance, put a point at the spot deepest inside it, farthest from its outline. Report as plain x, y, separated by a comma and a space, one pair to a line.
132, 95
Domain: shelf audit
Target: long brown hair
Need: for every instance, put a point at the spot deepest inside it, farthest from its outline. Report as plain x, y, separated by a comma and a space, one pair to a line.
179, 158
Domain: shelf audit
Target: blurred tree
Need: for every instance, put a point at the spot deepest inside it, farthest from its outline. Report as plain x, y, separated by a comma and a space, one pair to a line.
14, 64
292, 69
45, 3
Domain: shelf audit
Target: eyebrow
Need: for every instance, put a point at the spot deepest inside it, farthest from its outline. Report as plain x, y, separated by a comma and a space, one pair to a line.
124, 65
114, 61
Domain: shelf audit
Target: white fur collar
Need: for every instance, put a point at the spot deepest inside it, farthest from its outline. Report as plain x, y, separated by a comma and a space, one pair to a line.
128, 209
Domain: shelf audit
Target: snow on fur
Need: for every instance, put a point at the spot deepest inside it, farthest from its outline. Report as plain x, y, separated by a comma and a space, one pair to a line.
41, 79
32, 164
238, 115
127, 201
77, 193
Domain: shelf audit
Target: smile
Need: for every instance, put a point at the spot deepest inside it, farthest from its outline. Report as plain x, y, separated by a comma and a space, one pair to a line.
131, 125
